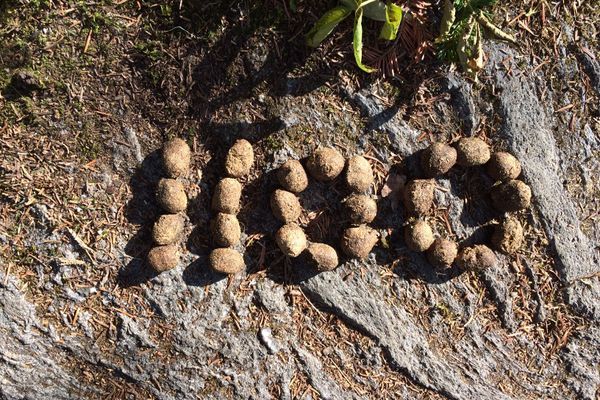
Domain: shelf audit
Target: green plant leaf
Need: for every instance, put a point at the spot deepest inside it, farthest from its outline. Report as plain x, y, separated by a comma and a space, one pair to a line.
357, 42
467, 47
475, 63
447, 19
375, 11
351, 4
326, 25
393, 18
480, 4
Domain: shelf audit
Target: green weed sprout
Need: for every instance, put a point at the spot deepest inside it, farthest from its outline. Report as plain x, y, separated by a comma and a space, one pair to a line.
388, 13
460, 38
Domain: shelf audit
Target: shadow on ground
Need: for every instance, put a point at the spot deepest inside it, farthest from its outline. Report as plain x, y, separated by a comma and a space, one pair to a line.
141, 210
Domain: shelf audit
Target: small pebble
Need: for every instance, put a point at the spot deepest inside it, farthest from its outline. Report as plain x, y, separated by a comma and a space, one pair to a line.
266, 336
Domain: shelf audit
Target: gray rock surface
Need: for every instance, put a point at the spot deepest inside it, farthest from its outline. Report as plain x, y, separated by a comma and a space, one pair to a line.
32, 366
327, 388
395, 330
581, 356
528, 131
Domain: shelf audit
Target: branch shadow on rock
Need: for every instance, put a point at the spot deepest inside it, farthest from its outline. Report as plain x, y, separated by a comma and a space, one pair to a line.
233, 67
273, 69
381, 118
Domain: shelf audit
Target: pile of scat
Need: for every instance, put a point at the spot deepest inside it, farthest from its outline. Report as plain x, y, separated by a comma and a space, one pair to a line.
508, 196
170, 195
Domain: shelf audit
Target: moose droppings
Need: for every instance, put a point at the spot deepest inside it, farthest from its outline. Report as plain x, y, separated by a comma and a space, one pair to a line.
508, 236
357, 242
225, 230
503, 166
176, 157
227, 196
442, 252
285, 206
513, 195
359, 174
472, 151
167, 229
226, 260
476, 258
171, 196
292, 177
418, 196
163, 258
239, 159
323, 256
418, 236
325, 164
438, 159
361, 209
291, 240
